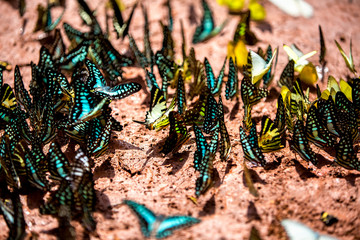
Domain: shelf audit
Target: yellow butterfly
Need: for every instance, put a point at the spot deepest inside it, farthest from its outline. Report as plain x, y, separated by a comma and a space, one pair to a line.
348, 60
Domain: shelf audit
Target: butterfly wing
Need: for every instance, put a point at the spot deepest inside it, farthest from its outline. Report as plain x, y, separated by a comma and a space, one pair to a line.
146, 217
206, 26
169, 224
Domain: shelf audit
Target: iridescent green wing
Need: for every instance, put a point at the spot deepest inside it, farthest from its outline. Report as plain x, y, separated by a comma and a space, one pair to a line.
300, 144
151, 80
75, 56
214, 83
167, 69
345, 154
270, 139
201, 147
225, 144
58, 164
211, 115
73, 34
169, 224
205, 180
101, 144
178, 134
146, 217
287, 76
250, 146
95, 79
119, 91
206, 26
64, 196
180, 94
346, 116
269, 76
328, 116
232, 84
315, 132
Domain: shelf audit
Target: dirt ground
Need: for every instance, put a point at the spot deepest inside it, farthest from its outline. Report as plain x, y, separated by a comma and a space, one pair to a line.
134, 169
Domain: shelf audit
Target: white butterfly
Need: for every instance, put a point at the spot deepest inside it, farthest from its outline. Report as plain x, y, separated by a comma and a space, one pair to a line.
298, 231
259, 66
298, 56
295, 8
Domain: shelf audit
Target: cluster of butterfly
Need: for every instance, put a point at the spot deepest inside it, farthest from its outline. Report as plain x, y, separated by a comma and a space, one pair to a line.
332, 116
56, 111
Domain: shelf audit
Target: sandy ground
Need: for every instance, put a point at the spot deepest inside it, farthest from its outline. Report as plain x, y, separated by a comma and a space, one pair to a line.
134, 169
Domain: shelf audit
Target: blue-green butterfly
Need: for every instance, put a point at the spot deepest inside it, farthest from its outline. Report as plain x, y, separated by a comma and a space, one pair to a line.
158, 226
300, 144
207, 28
250, 146
214, 83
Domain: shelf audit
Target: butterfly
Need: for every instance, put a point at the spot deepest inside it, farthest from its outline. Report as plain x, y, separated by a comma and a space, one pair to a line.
295, 8
232, 84
207, 28
250, 146
140, 57
206, 165
211, 115
213, 83
270, 138
243, 31
12, 211
197, 113
98, 141
345, 154
158, 115
178, 134
58, 164
279, 121
346, 116
297, 56
7, 97
348, 60
121, 27
298, 231
300, 144
287, 75
268, 77
315, 131
167, 49
224, 145
322, 48
257, 66
44, 21
197, 69
180, 94
328, 116
119, 91
328, 219
158, 226
75, 56
250, 94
